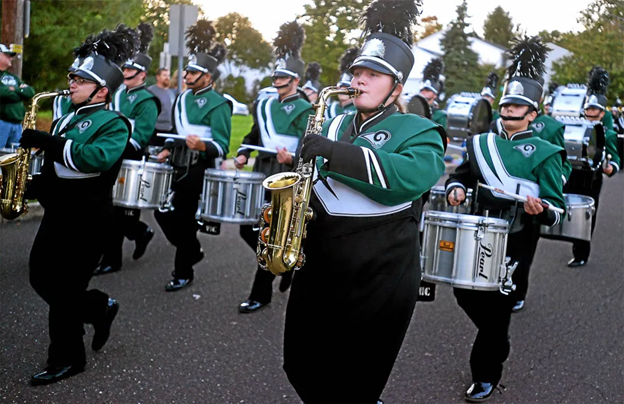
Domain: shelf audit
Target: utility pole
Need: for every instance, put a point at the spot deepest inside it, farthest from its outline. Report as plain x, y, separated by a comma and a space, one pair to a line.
13, 31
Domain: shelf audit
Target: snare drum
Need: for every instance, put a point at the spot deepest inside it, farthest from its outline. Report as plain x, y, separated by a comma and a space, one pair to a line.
231, 196
465, 251
468, 114
578, 221
438, 202
143, 185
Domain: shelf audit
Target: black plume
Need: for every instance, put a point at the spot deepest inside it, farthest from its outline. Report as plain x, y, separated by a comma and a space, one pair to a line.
348, 58
527, 56
392, 17
598, 80
219, 52
86, 48
199, 36
289, 40
146, 32
313, 71
119, 45
492, 81
552, 87
433, 70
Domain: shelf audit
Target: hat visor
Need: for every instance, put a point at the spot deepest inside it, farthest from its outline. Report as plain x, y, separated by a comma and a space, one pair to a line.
369, 64
430, 88
12, 54
82, 74
593, 105
510, 99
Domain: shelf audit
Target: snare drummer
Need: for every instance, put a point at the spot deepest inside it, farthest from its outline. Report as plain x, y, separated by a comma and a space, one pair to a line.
521, 163
142, 108
432, 86
199, 113
588, 182
288, 116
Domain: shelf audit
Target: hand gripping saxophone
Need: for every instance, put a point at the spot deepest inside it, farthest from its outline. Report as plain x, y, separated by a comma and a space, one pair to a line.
14, 167
280, 244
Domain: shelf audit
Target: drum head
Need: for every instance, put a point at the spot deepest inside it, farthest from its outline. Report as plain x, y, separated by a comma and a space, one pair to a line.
418, 106
481, 117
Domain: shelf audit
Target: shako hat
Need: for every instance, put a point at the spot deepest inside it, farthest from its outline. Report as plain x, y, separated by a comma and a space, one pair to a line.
597, 83
142, 61
491, 83
287, 48
312, 76
432, 76
346, 61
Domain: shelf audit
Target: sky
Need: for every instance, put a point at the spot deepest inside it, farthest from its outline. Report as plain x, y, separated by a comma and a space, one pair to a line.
533, 15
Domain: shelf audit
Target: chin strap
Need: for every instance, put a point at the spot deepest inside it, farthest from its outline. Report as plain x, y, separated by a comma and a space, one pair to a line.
515, 118
284, 85
592, 116
131, 77
195, 82
89, 98
381, 107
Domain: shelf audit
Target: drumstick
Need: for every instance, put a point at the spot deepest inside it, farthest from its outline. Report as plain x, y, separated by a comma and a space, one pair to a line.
177, 136
521, 198
260, 148
452, 146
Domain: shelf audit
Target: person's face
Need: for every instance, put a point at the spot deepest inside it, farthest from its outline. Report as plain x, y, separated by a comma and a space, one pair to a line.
193, 80
81, 89
429, 95
131, 81
374, 87
5, 61
289, 89
516, 111
594, 114
312, 95
164, 78
547, 108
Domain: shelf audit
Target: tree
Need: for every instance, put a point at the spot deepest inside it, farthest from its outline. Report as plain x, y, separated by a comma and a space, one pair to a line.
328, 24
498, 27
246, 47
599, 44
429, 26
462, 69
550, 36
235, 86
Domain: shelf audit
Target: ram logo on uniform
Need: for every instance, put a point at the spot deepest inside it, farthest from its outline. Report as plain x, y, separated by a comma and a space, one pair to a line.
84, 125
288, 108
9, 81
201, 102
539, 127
377, 139
526, 149
132, 98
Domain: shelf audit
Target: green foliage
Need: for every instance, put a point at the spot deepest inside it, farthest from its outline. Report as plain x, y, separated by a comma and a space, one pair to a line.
241, 126
327, 25
600, 44
234, 86
462, 69
550, 36
498, 28
428, 26
246, 47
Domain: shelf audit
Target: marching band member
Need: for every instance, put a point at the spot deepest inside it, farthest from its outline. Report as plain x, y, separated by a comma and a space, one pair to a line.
342, 336
432, 87
518, 162
312, 86
344, 102
590, 182
205, 118
82, 159
489, 92
142, 108
278, 124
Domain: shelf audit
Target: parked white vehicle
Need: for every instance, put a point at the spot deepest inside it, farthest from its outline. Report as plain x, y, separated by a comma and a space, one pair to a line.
238, 107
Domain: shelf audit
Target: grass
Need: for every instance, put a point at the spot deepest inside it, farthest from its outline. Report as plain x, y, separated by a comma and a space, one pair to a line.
241, 125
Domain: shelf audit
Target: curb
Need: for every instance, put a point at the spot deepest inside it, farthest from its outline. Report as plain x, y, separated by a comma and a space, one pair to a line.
35, 211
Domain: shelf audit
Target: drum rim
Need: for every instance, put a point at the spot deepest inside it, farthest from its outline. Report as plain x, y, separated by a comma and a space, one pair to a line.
213, 172
149, 166
489, 220
589, 201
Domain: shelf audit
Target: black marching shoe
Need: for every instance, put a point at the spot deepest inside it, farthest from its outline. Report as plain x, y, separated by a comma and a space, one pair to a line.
479, 392
141, 243
250, 306
285, 281
576, 263
106, 269
518, 306
103, 327
53, 374
177, 284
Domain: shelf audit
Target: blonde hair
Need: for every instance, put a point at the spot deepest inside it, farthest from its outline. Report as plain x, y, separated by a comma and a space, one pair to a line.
400, 104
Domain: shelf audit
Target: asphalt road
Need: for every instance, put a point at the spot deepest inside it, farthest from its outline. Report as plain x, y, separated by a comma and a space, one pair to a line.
193, 347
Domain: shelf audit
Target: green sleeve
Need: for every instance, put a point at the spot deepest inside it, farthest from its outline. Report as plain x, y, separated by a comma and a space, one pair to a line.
559, 140
8, 95
607, 120
548, 175
103, 149
26, 93
440, 118
144, 121
220, 122
611, 146
389, 178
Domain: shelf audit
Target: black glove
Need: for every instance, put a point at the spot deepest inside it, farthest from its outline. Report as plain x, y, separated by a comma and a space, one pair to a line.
316, 145
34, 138
53, 145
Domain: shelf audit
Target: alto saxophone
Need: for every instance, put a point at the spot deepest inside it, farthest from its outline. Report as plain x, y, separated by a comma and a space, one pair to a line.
280, 244
14, 174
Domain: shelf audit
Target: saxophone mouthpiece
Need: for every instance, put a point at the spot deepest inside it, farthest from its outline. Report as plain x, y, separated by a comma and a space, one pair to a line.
354, 92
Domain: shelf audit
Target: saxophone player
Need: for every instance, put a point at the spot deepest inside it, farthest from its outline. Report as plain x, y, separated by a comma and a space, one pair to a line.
342, 336
288, 116
82, 160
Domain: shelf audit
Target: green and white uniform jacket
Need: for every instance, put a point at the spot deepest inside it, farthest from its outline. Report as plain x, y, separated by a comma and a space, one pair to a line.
206, 114
61, 106
377, 171
439, 116
86, 168
607, 120
524, 165
551, 130
611, 148
141, 108
336, 109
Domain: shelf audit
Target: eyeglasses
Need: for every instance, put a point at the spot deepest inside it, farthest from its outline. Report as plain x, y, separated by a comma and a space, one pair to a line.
78, 80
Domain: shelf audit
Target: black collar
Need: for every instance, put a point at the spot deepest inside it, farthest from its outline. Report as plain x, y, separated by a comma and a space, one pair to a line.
137, 88
373, 120
290, 98
87, 109
203, 90
523, 134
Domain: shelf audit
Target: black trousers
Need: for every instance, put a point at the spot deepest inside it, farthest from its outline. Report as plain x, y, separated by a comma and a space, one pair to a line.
521, 275
491, 313
126, 223
180, 226
67, 247
581, 185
